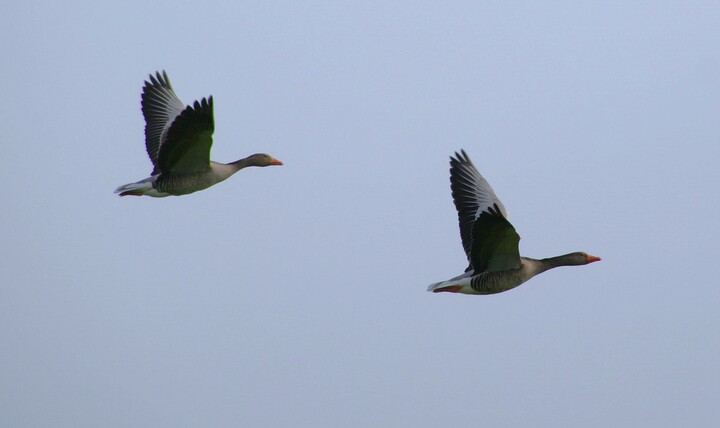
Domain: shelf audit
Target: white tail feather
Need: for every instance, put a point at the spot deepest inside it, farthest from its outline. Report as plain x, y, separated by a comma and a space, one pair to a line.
134, 186
434, 286
142, 187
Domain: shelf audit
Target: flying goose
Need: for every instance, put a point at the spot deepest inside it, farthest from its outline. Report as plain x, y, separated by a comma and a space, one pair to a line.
489, 240
178, 140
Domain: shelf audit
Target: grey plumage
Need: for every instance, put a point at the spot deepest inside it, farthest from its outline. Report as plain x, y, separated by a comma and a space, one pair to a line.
178, 140
489, 239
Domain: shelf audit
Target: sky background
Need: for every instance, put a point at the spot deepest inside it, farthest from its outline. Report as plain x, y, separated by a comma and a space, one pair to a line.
295, 295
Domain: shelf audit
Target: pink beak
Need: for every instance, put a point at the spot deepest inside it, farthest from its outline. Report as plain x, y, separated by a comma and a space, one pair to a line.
591, 259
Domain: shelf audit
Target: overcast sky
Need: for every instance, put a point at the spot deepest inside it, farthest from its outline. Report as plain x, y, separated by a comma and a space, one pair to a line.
294, 296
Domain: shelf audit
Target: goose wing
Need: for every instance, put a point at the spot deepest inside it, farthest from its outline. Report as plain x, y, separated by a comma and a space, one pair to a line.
160, 107
472, 195
495, 242
186, 148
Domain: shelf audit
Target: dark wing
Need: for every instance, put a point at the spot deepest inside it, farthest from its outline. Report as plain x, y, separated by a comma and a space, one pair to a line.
472, 195
494, 243
186, 148
160, 107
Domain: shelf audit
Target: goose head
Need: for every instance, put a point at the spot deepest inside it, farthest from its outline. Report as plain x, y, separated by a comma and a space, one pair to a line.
580, 258
262, 159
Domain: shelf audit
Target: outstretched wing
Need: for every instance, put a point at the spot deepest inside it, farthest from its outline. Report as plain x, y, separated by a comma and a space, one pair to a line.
186, 148
494, 243
472, 195
160, 107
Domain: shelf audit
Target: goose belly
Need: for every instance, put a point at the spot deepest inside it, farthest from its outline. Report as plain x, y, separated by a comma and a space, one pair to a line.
484, 283
496, 282
184, 184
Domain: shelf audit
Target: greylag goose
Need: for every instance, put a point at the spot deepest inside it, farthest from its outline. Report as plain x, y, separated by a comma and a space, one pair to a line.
489, 240
178, 140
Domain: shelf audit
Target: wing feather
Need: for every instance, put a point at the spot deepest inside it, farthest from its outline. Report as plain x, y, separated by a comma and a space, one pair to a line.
186, 148
472, 195
160, 107
494, 243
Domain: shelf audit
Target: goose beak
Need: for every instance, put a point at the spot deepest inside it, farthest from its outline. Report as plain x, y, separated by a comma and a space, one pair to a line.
274, 161
591, 259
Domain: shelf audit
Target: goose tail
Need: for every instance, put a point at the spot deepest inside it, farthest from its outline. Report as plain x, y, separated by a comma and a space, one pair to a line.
139, 188
447, 286
459, 284
432, 287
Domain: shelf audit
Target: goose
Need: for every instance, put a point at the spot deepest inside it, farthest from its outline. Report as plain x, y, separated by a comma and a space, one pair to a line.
178, 141
489, 240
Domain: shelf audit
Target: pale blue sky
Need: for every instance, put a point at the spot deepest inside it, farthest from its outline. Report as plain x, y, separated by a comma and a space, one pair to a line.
295, 296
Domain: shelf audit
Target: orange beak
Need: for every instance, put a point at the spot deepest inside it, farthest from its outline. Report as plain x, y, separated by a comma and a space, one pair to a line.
274, 161
591, 259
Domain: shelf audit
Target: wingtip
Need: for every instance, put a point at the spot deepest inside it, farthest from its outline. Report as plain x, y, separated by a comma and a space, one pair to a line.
159, 79
460, 157
204, 104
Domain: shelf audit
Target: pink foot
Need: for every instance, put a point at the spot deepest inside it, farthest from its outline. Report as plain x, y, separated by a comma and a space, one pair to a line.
449, 288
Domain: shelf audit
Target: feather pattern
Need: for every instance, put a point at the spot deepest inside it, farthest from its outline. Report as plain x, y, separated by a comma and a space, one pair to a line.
187, 145
176, 184
160, 107
472, 195
495, 242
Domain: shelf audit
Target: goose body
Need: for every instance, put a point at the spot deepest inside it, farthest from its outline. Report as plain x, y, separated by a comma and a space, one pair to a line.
178, 141
489, 239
